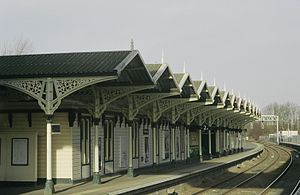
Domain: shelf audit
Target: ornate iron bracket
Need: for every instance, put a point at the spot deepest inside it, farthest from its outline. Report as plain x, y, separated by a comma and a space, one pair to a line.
138, 101
49, 92
162, 105
106, 95
177, 111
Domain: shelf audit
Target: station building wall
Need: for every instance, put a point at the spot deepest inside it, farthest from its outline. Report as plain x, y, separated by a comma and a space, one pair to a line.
67, 163
61, 143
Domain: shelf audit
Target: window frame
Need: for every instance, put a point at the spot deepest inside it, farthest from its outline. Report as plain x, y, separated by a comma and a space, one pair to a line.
166, 141
12, 151
85, 140
135, 140
108, 127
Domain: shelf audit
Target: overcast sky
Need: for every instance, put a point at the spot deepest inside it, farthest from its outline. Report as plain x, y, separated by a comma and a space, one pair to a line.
253, 46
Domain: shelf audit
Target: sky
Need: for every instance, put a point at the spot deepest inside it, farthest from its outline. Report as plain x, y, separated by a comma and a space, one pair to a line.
250, 47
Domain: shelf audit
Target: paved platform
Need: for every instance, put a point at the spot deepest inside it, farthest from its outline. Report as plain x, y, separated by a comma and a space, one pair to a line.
121, 183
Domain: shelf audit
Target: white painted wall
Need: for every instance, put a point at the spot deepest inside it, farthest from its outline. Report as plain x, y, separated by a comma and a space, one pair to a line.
120, 133
61, 143
143, 163
9, 172
76, 157
162, 142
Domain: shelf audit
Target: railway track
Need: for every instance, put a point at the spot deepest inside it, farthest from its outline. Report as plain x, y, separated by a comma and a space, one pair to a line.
262, 181
295, 189
274, 171
211, 188
231, 184
290, 181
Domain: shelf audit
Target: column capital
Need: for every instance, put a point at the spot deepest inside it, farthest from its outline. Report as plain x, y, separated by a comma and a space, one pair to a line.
96, 121
129, 122
172, 125
49, 118
154, 124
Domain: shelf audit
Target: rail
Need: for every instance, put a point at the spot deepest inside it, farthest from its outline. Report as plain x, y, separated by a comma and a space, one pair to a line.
281, 174
254, 176
228, 179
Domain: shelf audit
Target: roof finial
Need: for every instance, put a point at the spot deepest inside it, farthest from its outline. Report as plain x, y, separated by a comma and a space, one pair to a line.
162, 57
232, 91
201, 77
131, 44
224, 86
214, 81
239, 94
183, 67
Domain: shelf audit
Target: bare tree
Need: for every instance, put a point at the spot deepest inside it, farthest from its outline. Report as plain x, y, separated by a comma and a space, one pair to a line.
18, 47
289, 118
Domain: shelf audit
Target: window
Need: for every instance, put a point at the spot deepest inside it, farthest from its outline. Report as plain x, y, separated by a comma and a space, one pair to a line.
108, 139
146, 146
19, 148
85, 140
166, 144
182, 143
55, 128
157, 142
147, 152
177, 147
135, 139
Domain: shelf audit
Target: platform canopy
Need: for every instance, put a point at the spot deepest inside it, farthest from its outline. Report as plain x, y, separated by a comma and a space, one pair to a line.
50, 78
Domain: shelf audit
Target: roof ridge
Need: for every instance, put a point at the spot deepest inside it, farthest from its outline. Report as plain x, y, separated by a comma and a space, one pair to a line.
63, 53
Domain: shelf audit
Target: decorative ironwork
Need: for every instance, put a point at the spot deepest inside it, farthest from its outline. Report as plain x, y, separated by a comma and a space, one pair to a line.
167, 104
154, 113
197, 111
33, 88
139, 101
142, 100
113, 93
64, 87
107, 95
49, 92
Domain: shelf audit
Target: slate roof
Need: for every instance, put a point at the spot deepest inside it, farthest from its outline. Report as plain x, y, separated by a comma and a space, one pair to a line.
211, 90
153, 68
197, 84
63, 64
178, 77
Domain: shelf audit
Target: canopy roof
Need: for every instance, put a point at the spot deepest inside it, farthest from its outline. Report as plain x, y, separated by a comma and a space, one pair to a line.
122, 69
163, 77
186, 84
65, 64
202, 91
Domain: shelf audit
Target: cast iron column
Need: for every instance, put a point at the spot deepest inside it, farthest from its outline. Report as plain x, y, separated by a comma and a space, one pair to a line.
49, 186
200, 145
96, 176
209, 144
130, 171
